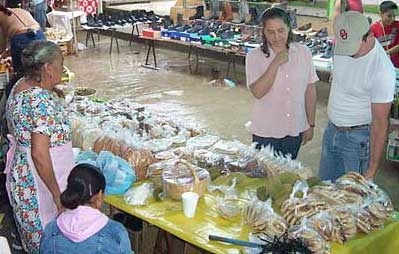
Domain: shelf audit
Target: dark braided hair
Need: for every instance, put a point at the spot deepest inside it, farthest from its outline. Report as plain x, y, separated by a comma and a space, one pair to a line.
5, 10
275, 13
84, 181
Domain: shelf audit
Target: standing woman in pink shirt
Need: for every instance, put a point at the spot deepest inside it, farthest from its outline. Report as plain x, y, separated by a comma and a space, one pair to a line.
281, 76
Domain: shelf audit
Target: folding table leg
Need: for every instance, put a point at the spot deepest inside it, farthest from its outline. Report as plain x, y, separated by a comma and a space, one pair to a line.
92, 38
112, 40
117, 44
151, 46
87, 36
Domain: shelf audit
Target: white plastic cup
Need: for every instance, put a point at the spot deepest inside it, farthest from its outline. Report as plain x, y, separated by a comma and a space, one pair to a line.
190, 201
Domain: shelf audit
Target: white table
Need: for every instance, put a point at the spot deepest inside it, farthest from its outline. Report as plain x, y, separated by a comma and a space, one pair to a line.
68, 16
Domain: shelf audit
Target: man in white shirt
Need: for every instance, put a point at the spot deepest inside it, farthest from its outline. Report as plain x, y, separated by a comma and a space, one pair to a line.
360, 99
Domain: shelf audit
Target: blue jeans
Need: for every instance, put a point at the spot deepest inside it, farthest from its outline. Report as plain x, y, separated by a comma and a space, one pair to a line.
344, 151
39, 14
287, 145
19, 42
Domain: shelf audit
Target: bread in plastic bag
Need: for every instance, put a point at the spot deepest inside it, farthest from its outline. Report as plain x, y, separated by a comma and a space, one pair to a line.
119, 175
296, 208
261, 217
346, 219
334, 196
355, 182
202, 141
228, 147
140, 159
311, 237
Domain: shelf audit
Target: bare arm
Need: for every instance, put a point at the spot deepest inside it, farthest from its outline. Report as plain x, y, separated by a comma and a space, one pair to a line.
337, 9
310, 105
262, 86
41, 158
378, 133
393, 50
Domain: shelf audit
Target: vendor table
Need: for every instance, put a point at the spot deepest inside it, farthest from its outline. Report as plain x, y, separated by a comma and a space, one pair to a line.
168, 216
193, 48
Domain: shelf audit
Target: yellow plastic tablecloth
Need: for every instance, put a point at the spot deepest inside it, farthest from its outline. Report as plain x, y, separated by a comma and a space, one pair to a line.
168, 215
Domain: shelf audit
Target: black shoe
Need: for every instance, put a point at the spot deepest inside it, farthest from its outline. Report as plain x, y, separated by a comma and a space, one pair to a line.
328, 52
199, 13
306, 27
204, 31
227, 35
322, 33
183, 28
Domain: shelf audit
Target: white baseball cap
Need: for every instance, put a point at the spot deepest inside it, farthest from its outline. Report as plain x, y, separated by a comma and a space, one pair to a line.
349, 29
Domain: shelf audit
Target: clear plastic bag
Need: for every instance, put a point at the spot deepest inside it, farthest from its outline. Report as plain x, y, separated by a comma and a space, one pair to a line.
158, 145
229, 191
205, 159
138, 195
227, 147
274, 164
155, 170
261, 217
85, 132
311, 237
300, 204
334, 196
344, 215
324, 224
202, 142
355, 182
119, 174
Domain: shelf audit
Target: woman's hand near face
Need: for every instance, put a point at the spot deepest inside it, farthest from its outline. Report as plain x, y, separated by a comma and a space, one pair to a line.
281, 57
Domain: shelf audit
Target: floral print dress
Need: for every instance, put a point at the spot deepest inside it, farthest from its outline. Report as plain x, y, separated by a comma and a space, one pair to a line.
33, 110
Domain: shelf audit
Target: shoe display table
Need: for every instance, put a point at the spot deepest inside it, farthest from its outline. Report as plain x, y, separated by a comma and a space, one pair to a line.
194, 49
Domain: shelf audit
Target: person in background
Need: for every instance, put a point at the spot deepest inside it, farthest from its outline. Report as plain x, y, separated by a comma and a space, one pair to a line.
387, 30
40, 155
360, 99
38, 10
347, 5
281, 76
19, 29
82, 227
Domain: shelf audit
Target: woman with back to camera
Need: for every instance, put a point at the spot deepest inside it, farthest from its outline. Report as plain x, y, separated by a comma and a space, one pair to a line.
19, 29
40, 156
82, 228
281, 76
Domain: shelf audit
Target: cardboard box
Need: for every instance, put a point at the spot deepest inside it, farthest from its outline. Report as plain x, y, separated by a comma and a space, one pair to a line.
151, 33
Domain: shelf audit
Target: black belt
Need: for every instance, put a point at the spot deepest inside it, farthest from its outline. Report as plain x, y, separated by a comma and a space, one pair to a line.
351, 128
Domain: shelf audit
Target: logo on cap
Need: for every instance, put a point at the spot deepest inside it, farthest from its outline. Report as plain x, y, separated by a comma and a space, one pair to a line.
344, 34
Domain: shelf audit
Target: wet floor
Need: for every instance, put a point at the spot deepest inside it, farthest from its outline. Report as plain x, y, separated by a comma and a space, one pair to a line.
174, 92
